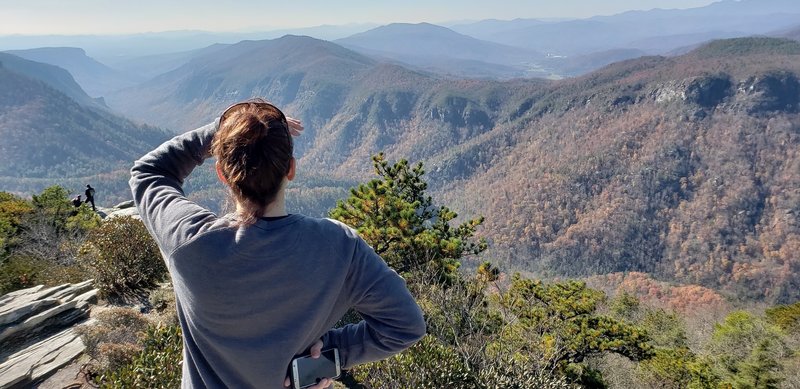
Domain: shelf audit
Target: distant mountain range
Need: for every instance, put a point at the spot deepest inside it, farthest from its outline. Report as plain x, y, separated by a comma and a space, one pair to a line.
112, 48
509, 49
53, 76
488, 49
442, 50
147, 67
662, 165
304, 73
683, 166
655, 31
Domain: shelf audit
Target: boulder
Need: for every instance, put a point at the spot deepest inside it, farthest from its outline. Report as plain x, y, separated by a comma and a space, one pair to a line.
776, 91
24, 309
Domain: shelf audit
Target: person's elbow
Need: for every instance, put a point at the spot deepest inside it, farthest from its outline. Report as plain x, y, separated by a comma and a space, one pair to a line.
418, 328
406, 332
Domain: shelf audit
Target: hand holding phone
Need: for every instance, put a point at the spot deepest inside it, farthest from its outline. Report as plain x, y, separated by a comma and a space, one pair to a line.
307, 371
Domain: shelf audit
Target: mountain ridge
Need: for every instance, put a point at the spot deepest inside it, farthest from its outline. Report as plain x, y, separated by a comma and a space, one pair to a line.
599, 33
51, 75
45, 134
95, 78
602, 173
441, 50
276, 68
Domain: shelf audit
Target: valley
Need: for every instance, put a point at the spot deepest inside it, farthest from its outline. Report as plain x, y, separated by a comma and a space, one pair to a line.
683, 167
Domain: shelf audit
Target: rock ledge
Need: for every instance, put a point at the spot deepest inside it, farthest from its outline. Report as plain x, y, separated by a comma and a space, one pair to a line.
37, 334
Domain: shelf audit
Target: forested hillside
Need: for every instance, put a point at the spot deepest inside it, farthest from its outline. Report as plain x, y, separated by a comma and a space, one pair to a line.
94, 77
54, 76
682, 167
686, 168
46, 134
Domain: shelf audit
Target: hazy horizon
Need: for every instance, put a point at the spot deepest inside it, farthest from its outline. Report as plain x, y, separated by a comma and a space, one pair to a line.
98, 17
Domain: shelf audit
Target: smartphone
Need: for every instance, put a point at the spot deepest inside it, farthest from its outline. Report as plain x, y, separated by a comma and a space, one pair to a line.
307, 371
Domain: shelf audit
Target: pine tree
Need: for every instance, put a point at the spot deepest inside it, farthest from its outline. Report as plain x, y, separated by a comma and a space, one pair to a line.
395, 216
760, 370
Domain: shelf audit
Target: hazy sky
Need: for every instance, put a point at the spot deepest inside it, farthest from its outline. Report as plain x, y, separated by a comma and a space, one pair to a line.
114, 17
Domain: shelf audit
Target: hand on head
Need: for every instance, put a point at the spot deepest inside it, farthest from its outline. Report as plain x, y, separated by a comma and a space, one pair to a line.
295, 126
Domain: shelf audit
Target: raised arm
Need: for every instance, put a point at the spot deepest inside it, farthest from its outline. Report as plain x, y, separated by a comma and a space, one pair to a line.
157, 180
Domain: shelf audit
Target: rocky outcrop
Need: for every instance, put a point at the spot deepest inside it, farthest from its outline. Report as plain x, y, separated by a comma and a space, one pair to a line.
36, 334
705, 91
460, 112
770, 92
777, 91
41, 359
709, 91
125, 208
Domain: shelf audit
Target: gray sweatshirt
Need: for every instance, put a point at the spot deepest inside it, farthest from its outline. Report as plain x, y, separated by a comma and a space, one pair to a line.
250, 299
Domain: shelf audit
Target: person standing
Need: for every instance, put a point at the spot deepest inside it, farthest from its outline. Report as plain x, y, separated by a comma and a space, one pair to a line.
258, 287
89, 192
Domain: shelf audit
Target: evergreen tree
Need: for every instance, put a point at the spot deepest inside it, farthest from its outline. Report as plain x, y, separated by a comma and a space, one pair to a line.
395, 216
560, 321
760, 370
748, 352
787, 317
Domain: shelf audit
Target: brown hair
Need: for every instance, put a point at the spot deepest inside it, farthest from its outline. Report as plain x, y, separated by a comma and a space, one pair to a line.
253, 148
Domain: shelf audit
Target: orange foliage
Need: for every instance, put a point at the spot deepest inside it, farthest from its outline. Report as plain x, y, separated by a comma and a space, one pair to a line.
686, 299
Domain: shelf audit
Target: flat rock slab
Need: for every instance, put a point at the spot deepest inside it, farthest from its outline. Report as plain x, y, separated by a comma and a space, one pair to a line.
26, 312
27, 366
132, 212
16, 312
37, 335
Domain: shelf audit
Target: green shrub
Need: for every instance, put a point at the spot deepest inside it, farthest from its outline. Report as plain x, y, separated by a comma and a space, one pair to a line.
114, 340
162, 300
158, 365
129, 351
669, 368
746, 351
21, 271
434, 364
786, 317
122, 257
114, 356
12, 211
39, 239
427, 364
507, 373
396, 217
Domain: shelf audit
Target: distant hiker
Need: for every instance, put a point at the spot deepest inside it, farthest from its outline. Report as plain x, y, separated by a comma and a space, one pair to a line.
259, 287
89, 192
76, 201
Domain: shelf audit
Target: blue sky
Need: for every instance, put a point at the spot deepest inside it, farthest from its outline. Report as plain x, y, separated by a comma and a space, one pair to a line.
39, 17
